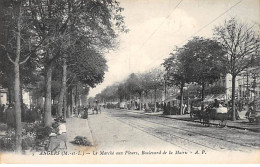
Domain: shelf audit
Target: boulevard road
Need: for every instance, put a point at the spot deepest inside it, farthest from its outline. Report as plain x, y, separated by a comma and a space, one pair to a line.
132, 133
126, 129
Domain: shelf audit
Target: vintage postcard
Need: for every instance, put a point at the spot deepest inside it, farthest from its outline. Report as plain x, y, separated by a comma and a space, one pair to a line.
129, 82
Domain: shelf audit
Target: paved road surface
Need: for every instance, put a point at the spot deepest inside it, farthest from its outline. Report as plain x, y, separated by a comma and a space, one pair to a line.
127, 130
121, 136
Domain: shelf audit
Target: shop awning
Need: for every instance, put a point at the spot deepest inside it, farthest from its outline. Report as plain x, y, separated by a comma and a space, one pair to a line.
171, 98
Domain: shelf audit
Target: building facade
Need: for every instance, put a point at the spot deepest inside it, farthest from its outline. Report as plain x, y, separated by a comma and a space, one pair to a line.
3, 96
247, 84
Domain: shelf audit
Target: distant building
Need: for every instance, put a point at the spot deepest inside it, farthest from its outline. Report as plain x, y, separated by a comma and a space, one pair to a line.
247, 84
3, 96
247, 87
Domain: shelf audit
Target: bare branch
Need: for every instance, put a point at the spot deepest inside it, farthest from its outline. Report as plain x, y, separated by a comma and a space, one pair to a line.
25, 60
10, 59
3, 46
240, 43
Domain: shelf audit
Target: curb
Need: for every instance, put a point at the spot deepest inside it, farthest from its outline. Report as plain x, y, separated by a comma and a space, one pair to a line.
229, 126
91, 140
73, 132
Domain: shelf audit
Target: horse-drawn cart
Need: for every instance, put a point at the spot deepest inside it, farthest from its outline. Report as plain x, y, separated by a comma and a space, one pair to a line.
212, 114
195, 109
209, 114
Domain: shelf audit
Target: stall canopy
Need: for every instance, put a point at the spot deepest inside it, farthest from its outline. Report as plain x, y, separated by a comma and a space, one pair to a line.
219, 97
171, 98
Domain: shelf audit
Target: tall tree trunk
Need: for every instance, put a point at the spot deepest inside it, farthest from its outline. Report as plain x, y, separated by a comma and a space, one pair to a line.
165, 90
10, 87
65, 114
155, 108
181, 102
47, 104
146, 100
63, 86
203, 91
68, 103
233, 97
23, 111
18, 115
140, 104
21, 94
71, 102
76, 100
202, 95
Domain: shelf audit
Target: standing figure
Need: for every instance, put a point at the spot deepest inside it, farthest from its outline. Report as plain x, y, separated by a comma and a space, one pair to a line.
99, 108
216, 103
96, 106
85, 115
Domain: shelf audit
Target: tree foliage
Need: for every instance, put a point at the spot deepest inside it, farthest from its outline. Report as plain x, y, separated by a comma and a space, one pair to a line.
135, 86
51, 33
241, 44
204, 60
177, 70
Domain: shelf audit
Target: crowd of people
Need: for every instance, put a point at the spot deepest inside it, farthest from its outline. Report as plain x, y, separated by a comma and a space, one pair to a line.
29, 115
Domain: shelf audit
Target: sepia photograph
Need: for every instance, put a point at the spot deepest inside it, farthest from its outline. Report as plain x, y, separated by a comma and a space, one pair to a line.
129, 82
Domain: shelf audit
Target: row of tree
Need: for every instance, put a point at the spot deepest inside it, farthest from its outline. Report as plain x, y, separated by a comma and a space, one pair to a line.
45, 42
234, 47
201, 61
137, 86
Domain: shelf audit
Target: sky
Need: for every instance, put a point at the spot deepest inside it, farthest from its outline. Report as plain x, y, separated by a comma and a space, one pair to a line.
158, 26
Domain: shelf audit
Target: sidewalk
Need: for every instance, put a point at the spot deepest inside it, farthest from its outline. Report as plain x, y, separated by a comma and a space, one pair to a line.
78, 127
243, 123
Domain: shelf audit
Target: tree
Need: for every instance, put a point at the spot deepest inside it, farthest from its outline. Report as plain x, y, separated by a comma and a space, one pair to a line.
241, 44
110, 93
49, 22
122, 92
155, 82
144, 82
204, 60
93, 20
176, 72
133, 86
200, 60
17, 39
